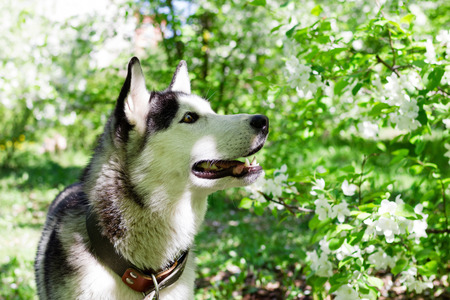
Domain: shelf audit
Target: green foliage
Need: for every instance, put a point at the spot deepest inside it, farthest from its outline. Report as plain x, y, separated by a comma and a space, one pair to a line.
358, 99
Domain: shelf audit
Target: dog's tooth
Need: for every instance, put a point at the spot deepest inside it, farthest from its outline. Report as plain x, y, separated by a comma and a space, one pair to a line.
247, 163
254, 163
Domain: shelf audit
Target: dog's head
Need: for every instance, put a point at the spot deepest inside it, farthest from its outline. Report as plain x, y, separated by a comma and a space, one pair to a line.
174, 139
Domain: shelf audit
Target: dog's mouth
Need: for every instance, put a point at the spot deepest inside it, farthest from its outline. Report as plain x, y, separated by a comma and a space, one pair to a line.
214, 169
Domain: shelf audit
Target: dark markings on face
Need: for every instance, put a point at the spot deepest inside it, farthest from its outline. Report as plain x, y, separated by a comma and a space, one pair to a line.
163, 108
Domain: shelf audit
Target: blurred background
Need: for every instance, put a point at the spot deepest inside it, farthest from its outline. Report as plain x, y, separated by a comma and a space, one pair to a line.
324, 72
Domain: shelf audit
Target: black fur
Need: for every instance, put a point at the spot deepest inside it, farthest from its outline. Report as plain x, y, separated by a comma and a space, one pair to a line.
58, 262
163, 108
72, 201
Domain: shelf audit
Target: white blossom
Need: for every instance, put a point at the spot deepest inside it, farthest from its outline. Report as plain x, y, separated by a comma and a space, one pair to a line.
318, 184
388, 227
320, 265
430, 53
395, 94
323, 208
348, 250
296, 73
368, 129
381, 260
447, 154
447, 123
409, 279
348, 189
346, 292
388, 207
340, 211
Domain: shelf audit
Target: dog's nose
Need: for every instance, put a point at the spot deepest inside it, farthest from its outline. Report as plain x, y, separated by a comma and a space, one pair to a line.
260, 122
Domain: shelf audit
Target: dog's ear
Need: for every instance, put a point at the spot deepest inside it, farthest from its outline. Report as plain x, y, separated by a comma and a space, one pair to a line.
133, 101
180, 80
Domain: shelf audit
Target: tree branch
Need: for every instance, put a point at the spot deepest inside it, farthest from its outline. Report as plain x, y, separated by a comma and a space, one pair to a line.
387, 65
282, 202
392, 49
431, 230
444, 199
366, 158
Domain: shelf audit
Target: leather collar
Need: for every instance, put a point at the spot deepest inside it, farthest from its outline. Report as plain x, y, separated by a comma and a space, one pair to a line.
139, 280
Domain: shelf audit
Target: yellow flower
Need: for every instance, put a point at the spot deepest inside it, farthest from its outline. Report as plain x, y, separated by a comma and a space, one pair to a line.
21, 137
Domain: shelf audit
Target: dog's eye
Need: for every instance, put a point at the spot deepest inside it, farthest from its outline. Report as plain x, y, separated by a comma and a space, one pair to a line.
189, 117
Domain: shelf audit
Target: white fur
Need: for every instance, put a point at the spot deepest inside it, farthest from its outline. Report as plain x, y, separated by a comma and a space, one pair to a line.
136, 104
180, 81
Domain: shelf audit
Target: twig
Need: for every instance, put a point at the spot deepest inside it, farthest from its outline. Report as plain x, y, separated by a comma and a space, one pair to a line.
443, 91
366, 158
444, 199
387, 65
431, 230
392, 49
290, 208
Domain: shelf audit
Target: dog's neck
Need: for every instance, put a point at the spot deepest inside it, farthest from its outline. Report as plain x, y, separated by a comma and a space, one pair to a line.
149, 236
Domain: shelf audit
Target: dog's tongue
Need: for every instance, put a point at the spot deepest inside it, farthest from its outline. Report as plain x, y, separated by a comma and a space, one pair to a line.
237, 170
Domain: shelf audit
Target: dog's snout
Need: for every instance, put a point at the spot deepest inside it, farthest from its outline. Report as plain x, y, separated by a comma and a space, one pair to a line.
260, 123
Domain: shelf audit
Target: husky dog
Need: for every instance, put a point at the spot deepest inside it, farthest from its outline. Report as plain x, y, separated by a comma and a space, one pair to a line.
125, 230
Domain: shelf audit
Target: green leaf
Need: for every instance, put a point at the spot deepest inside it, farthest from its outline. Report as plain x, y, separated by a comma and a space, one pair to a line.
400, 152
317, 282
356, 88
408, 19
431, 165
399, 266
259, 208
316, 10
434, 78
336, 243
246, 203
381, 146
345, 261
380, 23
363, 216
340, 86
262, 79
422, 117
379, 108
355, 239
420, 146
430, 268
258, 2
342, 227
370, 206
374, 281
348, 169
423, 254
276, 28
312, 224
406, 211
291, 31
416, 169
399, 155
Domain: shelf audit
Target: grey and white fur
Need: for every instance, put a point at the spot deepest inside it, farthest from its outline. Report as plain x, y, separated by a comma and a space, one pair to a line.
160, 156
